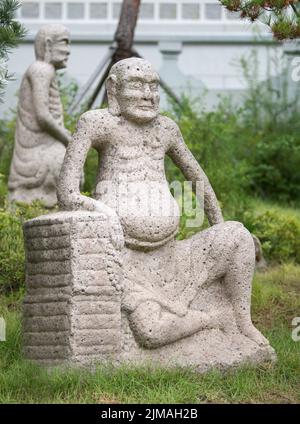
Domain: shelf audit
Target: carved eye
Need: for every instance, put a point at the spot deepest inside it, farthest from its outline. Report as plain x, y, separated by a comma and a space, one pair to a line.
135, 85
154, 86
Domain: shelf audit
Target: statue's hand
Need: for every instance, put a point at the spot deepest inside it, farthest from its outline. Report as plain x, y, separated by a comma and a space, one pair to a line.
181, 310
76, 202
176, 308
114, 222
106, 210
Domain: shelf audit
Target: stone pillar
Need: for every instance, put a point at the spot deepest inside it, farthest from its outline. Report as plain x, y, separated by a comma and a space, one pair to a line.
72, 308
170, 72
292, 53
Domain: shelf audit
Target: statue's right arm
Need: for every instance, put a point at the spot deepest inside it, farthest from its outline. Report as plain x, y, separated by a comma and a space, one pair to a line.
41, 75
68, 189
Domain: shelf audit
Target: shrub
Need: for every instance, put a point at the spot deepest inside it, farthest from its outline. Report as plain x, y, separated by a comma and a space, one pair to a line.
275, 167
270, 112
216, 140
7, 131
69, 92
12, 245
279, 233
253, 148
11, 252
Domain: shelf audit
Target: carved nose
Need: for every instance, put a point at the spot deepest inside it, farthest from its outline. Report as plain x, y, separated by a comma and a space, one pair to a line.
147, 92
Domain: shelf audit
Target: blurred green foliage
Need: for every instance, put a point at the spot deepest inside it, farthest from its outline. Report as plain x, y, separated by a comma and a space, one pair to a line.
278, 229
11, 33
12, 260
247, 151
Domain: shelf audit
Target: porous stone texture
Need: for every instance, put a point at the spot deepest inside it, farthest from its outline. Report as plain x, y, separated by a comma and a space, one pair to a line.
174, 302
40, 137
82, 289
72, 305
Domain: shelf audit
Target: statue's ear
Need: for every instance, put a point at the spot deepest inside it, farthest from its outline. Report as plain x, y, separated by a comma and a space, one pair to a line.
48, 50
111, 87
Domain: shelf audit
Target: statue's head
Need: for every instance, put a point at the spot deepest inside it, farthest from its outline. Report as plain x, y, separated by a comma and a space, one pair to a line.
52, 45
133, 90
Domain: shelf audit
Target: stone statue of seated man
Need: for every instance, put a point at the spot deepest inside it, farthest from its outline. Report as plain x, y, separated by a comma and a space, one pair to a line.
40, 137
162, 277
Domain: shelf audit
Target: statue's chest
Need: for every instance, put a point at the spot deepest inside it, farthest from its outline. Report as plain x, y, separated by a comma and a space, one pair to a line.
139, 149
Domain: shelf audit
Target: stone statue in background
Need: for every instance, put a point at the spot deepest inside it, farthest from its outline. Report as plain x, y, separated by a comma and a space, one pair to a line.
40, 138
185, 302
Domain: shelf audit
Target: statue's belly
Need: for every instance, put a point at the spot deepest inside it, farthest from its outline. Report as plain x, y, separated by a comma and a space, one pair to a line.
148, 212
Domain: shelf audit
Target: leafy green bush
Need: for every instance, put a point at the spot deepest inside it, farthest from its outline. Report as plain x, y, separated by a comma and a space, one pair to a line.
12, 244
275, 170
68, 93
7, 131
216, 140
11, 252
270, 113
278, 231
253, 148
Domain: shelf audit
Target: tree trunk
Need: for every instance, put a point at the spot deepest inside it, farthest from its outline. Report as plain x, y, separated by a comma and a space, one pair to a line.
123, 44
124, 34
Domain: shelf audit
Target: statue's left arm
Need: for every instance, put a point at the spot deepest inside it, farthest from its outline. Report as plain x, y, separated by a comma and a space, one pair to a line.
192, 171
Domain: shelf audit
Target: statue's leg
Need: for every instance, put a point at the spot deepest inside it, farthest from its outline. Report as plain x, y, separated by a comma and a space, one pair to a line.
156, 312
238, 283
230, 256
153, 326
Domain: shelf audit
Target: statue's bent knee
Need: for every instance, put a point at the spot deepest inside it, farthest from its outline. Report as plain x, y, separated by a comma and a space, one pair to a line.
144, 323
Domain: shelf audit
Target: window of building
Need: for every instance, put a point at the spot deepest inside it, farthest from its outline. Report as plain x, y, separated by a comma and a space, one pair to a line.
213, 11
146, 11
98, 10
190, 11
232, 15
30, 10
116, 10
53, 11
171, 10
168, 10
75, 10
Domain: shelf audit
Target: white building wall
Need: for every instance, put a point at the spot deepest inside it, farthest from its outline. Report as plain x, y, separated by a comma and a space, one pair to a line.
209, 46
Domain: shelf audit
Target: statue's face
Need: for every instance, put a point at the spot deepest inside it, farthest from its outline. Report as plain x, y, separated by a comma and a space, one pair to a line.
138, 95
60, 50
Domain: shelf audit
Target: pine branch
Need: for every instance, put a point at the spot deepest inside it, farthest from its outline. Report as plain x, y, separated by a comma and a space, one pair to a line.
295, 10
281, 24
11, 32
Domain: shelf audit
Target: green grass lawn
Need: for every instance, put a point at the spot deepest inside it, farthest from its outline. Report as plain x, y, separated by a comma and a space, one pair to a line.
276, 302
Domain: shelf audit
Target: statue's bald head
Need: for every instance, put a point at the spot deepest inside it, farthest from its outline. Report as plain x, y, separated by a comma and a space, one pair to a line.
132, 66
132, 89
49, 35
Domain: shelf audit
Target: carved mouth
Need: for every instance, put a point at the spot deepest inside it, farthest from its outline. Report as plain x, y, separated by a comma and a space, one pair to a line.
146, 107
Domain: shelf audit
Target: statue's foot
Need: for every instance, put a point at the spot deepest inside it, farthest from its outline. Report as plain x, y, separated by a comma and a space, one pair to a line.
219, 319
248, 330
